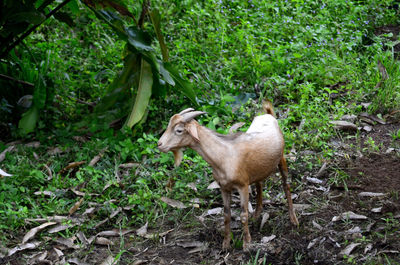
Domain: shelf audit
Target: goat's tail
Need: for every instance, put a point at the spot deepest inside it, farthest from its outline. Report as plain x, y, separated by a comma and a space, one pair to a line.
267, 106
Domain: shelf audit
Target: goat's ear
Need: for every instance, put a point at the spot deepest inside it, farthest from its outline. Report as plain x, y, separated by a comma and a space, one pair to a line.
192, 130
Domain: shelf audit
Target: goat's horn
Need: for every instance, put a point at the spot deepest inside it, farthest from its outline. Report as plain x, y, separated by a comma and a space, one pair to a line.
185, 111
191, 115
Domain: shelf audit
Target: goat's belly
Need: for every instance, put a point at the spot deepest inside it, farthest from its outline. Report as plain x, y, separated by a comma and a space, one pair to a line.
262, 168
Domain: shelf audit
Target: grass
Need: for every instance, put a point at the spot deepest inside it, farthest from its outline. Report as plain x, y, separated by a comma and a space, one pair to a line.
315, 61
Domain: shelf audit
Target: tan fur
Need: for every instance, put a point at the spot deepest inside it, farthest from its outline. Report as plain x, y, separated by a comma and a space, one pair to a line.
237, 160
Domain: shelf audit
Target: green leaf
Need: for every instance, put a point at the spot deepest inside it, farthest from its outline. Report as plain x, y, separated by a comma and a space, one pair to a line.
28, 121
166, 75
119, 88
64, 17
32, 17
39, 95
182, 84
143, 95
155, 19
139, 39
73, 6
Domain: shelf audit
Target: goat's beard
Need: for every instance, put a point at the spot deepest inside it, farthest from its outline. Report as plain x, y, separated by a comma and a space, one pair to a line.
178, 155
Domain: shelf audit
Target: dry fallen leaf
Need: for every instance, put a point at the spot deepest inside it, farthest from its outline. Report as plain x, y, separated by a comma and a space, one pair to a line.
349, 249
72, 165
81, 139
115, 232
95, 160
89, 211
312, 243
190, 244
192, 185
77, 192
58, 252
77, 261
143, 230
139, 262
264, 219
314, 180
371, 194
56, 218
76, 206
354, 230
4, 174
267, 239
49, 172
173, 203
199, 249
213, 211
103, 241
38, 258
60, 228
213, 185
367, 248
376, 210
110, 260
54, 151
34, 144
45, 192
316, 225
68, 242
31, 234
349, 215
344, 125
81, 236
21, 247
128, 165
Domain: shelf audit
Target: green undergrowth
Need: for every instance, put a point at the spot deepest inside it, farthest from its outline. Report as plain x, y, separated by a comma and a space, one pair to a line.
315, 61
140, 187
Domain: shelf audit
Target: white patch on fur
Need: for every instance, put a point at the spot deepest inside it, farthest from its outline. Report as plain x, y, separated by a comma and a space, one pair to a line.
263, 123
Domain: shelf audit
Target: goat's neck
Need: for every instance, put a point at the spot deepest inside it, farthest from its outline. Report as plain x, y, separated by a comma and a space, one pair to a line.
211, 147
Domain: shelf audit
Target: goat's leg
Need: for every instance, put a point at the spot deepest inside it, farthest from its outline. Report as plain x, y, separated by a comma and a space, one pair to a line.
259, 186
284, 173
226, 197
244, 215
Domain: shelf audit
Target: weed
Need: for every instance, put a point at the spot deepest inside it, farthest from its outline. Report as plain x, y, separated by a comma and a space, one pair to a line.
395, 135
256, 260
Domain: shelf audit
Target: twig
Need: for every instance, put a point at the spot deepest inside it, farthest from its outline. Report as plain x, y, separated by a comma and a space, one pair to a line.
92, 104
6, 77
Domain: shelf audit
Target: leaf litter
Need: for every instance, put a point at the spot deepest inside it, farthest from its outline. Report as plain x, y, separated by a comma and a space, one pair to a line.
324, 225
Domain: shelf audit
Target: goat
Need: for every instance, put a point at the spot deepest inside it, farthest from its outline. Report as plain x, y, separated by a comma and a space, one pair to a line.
237, 160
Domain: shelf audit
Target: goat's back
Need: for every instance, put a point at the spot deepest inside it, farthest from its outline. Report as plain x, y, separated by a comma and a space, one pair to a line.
260, 149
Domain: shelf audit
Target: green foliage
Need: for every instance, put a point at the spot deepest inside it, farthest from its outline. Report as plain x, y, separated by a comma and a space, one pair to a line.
315, 61
145, 72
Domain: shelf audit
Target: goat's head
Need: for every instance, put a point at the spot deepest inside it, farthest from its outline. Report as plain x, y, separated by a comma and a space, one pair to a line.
181, 132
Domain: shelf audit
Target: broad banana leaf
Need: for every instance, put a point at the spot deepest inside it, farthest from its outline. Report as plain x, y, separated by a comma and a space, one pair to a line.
143, 94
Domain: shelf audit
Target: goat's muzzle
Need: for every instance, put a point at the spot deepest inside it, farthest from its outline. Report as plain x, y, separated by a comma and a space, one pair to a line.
161, 147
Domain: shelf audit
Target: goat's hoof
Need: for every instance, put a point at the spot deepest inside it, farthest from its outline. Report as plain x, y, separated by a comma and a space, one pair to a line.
294, 221
226, 245
256, 215
246, 246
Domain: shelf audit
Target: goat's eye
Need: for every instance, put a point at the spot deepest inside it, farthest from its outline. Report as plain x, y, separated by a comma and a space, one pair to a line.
179, 131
